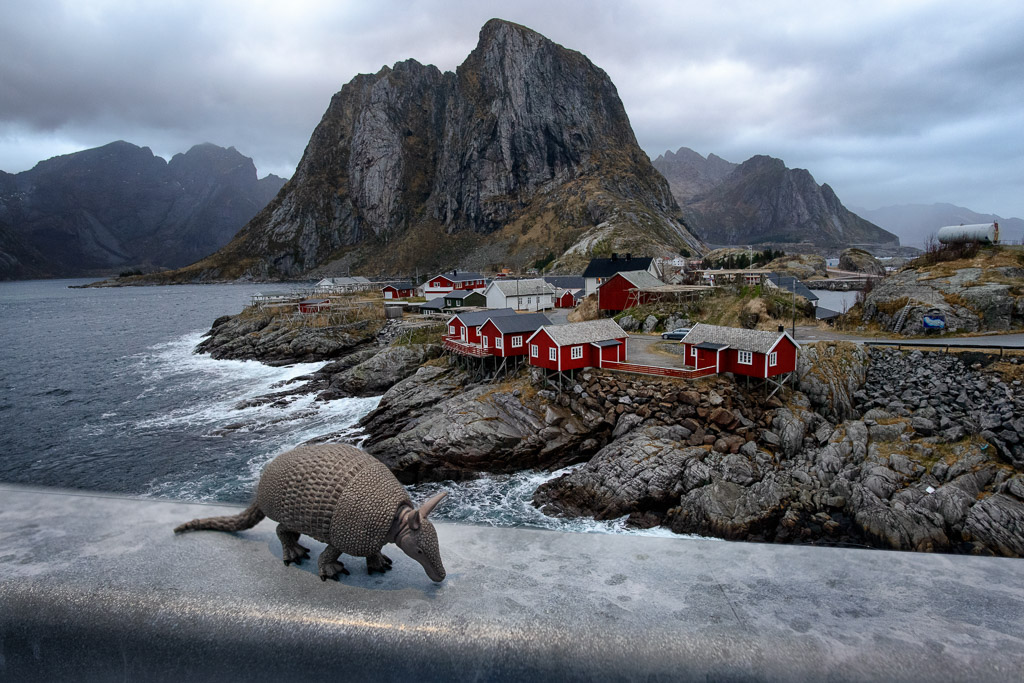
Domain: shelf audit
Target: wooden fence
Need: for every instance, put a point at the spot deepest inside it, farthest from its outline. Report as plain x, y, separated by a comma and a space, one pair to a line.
678, 373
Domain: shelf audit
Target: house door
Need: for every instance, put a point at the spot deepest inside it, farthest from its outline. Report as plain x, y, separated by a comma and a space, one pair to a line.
463, 333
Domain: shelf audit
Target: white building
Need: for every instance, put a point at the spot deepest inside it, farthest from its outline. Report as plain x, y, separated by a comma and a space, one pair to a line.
521, 295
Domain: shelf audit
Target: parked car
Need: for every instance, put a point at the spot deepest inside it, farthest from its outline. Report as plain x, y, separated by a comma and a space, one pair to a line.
677, 333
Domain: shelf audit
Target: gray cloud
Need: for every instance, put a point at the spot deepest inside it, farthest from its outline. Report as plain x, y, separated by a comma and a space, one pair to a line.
886, 102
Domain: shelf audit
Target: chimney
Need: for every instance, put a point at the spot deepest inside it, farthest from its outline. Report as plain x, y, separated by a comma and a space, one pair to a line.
615, 257
454, 272
782, 328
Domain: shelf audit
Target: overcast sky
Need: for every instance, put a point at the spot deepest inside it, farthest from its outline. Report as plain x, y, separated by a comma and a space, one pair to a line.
888, 102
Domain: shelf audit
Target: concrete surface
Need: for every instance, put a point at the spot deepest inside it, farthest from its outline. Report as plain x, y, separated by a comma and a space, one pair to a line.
97, 588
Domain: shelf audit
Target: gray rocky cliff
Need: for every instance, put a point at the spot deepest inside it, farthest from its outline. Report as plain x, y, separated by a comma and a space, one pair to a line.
119, 207
519, 153
761, 201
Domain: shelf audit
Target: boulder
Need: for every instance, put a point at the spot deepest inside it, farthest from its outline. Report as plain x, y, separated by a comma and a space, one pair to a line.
860, 261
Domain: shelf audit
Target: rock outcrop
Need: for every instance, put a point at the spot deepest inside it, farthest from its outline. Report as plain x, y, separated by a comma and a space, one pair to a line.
119, 208
971, 296
524, 151
761, 201
860, 261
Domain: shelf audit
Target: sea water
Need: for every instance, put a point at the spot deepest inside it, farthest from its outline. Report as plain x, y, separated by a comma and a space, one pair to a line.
100, 389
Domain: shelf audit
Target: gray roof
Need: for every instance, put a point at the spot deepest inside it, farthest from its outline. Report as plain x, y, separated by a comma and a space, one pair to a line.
789, 283
822, 313
459, 275
760, 341
524, 322
607, 342
566, 281
586, 332
640, 279
712, 347
606, 267
437, 303
523, 287
474, 318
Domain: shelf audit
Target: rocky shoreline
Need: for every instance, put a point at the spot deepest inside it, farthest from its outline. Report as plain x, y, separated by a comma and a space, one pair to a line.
875, 448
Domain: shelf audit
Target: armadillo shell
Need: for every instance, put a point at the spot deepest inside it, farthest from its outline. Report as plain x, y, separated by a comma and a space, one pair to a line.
334, 493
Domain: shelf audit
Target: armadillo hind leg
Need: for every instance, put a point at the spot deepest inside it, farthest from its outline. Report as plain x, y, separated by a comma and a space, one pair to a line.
378, 563
328, 564
291, 551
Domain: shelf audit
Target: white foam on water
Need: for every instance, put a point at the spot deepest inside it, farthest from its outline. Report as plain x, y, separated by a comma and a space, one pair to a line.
506, 501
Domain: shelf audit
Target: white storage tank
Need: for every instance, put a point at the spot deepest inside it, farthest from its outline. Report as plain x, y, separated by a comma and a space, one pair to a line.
977, 232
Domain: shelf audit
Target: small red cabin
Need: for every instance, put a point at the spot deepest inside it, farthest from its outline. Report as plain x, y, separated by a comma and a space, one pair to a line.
568, 298
506, 335
577, 345
400, 290
465, 327
753, 353
314, 305
616, 293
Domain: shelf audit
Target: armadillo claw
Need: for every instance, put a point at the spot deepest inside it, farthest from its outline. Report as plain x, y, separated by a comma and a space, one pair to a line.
332, 570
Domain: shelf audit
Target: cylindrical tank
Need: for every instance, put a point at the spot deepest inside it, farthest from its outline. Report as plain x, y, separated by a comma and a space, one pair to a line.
977, 232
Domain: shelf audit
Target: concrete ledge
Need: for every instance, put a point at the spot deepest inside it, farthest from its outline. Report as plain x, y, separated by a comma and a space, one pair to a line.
95, 587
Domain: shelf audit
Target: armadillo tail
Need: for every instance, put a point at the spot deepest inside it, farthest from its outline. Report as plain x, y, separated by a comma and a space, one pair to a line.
246, 519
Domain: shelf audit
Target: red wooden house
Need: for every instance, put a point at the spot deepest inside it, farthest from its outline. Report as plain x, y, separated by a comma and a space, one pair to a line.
617, 292
454, 279
314, 305
506, 335
753, 353
465, 327
577, 345
568, 298
398, 290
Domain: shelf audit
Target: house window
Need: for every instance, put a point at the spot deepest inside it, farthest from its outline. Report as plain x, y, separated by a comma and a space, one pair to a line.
517, 342
745, 357
451, 330
534, 351
519, 304
773, 358
497, 342
553, 353
693, 352
529, 300
576, 352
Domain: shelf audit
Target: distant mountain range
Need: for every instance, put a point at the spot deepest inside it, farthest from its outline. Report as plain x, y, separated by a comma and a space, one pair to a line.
524, 152
119, 207
915, 222
761, 201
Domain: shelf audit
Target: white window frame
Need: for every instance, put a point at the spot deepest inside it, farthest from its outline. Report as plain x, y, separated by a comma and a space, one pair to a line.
773, 359
497, 342
519, 303
576, 352
745, 357
529, 301
517, 342
534, 351
693, 352
451, 330
553, 353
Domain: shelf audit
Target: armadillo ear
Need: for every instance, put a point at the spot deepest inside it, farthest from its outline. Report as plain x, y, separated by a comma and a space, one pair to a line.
414, 520
428, 507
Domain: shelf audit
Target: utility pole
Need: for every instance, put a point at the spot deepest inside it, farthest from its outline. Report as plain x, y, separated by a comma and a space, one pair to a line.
793, 285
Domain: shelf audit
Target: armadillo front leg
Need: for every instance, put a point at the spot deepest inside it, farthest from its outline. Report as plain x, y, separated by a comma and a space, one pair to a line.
291, 551
378, 563
328, 563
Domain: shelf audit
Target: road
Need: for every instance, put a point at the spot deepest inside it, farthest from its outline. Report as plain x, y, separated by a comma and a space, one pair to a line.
812, 334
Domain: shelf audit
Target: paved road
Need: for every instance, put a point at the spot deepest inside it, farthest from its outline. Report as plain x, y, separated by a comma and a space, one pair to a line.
652, 350
808, 333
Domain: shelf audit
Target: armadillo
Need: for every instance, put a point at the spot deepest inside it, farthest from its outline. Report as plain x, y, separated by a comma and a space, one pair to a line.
341, 496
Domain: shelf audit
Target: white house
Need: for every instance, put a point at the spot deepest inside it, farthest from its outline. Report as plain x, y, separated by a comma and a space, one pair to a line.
522, 295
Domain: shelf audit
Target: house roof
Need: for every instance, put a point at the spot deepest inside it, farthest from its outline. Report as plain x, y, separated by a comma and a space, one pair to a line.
524, 322
562, 292
474, 318
584, 333
437, 303
711, 347
760, 341
458, 275
822, 313
789, 283
606, 267
399, 285
640, 279
607, 342
461, 293
566, 281
523, 287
